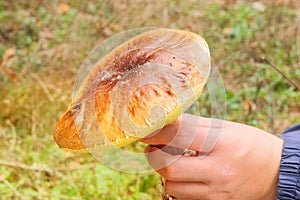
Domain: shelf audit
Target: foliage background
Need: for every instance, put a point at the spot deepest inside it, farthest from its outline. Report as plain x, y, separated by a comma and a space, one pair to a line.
42, 44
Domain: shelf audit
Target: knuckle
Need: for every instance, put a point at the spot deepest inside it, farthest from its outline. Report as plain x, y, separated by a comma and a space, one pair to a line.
169, 172
168, 187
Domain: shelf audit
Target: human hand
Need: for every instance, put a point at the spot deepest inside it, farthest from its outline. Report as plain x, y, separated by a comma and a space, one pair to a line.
244, 164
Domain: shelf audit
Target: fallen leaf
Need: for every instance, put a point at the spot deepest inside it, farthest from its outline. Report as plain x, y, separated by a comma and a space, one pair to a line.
104, 22
39, 23
227, 31
7, 57
198, 13
47, 34
107, 31
63, 8
9, 53
249, 105
258, 6
6, 101
254, 44
13, 75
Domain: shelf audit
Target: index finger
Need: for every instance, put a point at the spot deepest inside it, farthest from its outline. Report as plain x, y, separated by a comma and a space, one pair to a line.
188, 132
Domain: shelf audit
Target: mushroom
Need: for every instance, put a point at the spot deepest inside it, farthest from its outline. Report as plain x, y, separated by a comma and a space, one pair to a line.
140, 86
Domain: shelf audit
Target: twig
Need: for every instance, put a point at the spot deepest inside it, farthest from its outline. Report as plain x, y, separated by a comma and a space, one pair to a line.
43, 86
69, 169
30, 167
44, 169
265, 60
8, 184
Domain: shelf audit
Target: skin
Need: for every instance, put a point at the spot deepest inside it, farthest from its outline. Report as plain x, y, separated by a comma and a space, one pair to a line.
244, 163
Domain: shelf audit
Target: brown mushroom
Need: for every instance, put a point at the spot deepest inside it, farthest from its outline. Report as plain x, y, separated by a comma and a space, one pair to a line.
137, 88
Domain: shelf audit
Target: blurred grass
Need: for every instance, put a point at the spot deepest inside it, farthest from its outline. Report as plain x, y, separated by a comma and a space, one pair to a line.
43, 44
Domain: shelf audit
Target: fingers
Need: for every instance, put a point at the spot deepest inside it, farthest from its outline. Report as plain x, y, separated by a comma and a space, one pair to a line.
188, 132
178, 167
187, 190
159, 159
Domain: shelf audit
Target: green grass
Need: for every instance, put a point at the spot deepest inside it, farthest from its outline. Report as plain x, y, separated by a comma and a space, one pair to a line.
51, 40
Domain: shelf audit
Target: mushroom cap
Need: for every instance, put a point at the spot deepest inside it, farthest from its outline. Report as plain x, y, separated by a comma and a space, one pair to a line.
137, 88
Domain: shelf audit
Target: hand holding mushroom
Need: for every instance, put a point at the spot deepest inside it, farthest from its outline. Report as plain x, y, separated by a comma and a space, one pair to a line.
244, 164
